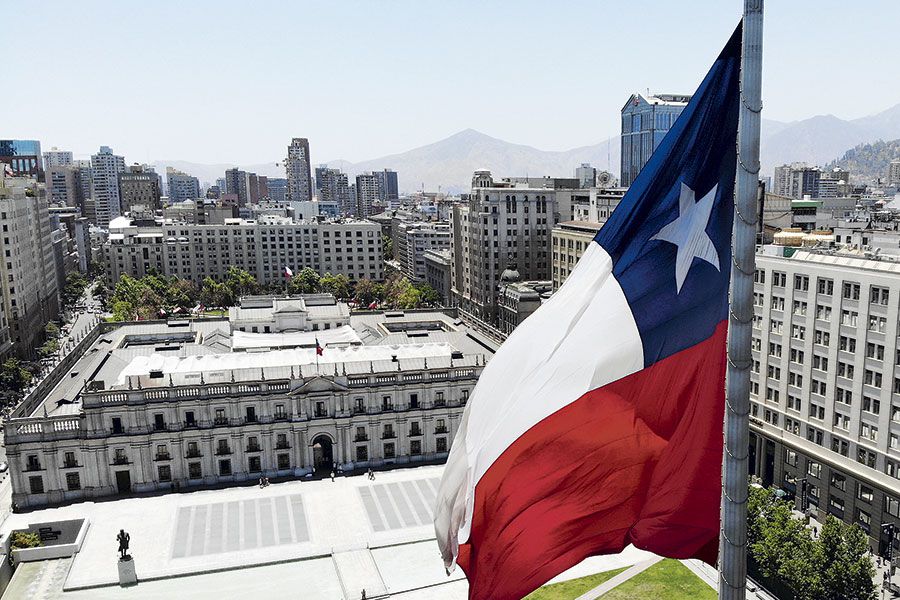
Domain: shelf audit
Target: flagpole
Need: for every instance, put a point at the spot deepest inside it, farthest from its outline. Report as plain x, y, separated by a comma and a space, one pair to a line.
733, 533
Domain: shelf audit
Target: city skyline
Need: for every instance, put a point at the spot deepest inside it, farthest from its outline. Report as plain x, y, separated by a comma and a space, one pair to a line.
428, 78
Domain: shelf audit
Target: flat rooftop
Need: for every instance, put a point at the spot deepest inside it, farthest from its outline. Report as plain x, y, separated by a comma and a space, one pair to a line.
151, 352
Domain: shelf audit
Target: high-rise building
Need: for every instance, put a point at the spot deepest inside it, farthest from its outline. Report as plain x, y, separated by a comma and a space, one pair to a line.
23, 157
893, 173
414, 239
139, 185
63, 185
586, 176
367, 194
297, 168
333, 187
388, 187
645, 122
236, 182
181, 186
797, 180
825, 396
499, 226
83, 180
57, 158
277, 189
28, 276
105, 169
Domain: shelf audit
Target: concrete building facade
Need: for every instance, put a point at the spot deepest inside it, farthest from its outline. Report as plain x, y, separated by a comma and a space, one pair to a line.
414, 239
139, 185
568, 242
28, 267
105, 169
499, 226
825, 384
298, 172
181, 186
437, 273
262, 247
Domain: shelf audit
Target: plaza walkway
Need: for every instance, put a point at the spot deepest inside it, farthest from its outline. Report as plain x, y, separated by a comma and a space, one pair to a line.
329, 539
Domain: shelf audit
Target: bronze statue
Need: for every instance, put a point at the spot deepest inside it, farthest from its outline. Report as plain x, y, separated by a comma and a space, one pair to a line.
124, 539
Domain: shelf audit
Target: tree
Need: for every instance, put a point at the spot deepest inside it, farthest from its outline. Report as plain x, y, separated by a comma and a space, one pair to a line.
387, 247
307, 281
338, 285
367, 291
50, 348
74, 288
181, 293
214, 293
784, 550
52, 330
428, 295
240, 282
13, 376
835, 566
842, 564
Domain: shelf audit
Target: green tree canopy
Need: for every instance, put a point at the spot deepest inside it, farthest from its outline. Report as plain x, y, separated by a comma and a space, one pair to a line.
833, 566
13, 376
307, 281
339, 285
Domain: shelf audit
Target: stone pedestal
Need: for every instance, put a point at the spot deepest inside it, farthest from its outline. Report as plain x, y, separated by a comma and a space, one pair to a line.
127, 574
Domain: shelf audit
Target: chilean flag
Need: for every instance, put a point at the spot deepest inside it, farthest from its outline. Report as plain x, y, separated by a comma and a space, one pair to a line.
598, 424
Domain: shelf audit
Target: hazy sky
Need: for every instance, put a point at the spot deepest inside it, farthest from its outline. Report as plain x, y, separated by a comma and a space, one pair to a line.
222, 81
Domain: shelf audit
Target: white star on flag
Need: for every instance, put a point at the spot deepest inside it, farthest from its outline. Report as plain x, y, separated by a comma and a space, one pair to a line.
688, 233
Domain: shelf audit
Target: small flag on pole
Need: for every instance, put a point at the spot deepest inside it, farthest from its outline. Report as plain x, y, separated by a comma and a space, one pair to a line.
319, 349
288, 272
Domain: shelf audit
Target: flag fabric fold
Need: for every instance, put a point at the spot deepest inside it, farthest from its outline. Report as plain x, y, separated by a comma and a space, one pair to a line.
598, 423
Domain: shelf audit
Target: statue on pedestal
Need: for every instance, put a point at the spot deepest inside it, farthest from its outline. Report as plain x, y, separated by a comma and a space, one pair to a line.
124, 540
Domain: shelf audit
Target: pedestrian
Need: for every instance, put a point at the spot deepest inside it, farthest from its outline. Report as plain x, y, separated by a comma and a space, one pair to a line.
371, 474
262, 483
266, 479
332, 475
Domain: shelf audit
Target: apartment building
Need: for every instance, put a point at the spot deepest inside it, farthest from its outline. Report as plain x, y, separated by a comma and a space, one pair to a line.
263, 247
139, 185
499, 226
825, 389
568, 242
28, 266
414, 239
105, 169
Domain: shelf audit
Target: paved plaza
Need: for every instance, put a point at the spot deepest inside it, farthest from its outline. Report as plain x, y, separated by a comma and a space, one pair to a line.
299, 539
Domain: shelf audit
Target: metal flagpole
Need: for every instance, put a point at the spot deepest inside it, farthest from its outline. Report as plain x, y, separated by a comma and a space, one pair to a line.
733, 533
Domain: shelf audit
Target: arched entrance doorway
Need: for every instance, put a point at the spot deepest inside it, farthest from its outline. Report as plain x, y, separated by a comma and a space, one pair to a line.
323, 457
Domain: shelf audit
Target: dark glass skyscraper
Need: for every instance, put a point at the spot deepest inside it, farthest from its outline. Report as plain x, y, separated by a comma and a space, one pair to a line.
23, 157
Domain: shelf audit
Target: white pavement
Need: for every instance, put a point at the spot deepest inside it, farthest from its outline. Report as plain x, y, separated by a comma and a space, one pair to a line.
328, 539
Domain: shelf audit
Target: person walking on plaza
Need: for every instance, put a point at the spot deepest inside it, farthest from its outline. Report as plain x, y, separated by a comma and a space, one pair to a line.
332, 475
371, 474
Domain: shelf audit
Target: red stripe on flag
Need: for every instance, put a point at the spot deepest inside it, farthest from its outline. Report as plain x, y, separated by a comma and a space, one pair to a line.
637, 461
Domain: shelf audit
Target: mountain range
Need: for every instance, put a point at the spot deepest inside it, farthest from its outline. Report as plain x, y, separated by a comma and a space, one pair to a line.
448, 164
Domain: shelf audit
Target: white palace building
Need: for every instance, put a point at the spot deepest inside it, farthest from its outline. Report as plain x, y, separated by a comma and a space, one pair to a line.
156, 406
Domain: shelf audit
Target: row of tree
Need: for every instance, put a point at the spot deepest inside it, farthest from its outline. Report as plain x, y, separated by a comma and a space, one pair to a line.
832, 565
154, 295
